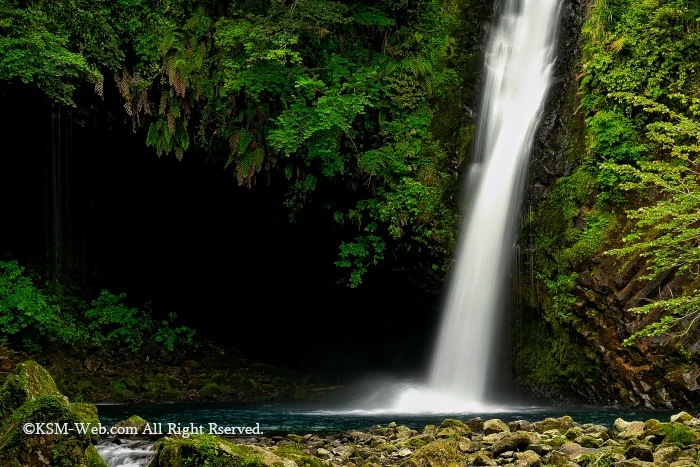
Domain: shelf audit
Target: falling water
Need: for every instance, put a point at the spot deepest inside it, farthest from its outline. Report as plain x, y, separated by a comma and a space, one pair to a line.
126, 453
519, 64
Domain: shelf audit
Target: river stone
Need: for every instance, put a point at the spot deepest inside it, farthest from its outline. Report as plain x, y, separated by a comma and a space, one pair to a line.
464, 446
343, 451
588, 441
441, 453
561, 424
681, 417
667, 454
574, 450
518, 441
634, 430
482, 457
476, 425
641, 452
133, 422
620, 425
268, 459
683, 462
495, 426
458, 426
556, 458
530, 457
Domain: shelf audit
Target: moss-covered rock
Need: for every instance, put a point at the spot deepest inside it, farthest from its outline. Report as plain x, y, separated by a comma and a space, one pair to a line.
441, 453
42, 430
27, 382
133, 422
199, 450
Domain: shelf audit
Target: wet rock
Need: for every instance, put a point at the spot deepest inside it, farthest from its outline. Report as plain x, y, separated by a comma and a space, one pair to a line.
641, 452
681, 417
574, 451
518, 441
476, 425
530, 458
29, 397
634, 430
441, 453
481, 458
133, 423
495, 426
561, 424
668, 454
457, 426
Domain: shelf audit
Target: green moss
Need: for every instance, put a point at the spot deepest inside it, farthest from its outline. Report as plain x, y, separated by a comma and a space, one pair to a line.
296, 453
26, 382
92, 458
200, 450
552, 359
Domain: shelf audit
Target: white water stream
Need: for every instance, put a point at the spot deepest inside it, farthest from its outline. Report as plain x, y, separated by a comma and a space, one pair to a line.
519, 64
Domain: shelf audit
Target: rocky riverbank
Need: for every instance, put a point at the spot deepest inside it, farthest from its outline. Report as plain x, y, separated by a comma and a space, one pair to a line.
556, 442
29, 398
202, 372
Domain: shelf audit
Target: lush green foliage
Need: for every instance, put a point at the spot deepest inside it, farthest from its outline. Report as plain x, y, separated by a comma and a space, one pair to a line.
367, 96
34, 315
640, 86
678, 434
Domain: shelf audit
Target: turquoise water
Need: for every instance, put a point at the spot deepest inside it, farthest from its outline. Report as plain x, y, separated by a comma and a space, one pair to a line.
276, 419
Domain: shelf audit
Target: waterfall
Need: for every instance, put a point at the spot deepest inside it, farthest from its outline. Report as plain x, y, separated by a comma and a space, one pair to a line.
519, 64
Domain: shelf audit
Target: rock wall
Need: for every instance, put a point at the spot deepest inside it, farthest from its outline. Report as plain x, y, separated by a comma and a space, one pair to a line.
573, 319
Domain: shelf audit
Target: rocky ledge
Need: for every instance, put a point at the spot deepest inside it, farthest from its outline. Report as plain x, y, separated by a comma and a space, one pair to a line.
553, 442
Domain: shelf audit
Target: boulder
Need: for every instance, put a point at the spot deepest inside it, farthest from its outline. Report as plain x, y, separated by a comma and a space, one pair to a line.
681, 417
134, 422
441, 453
641, 452
29, 397
518, 441
668, 454
561, 424
530, 458
205, 449
495, 426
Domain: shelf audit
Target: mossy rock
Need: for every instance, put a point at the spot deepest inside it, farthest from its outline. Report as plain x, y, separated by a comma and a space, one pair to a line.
28, 450
441, 453
456, 424
28, 381
203, 449
29, 396
133, 422
561, 424
211, 390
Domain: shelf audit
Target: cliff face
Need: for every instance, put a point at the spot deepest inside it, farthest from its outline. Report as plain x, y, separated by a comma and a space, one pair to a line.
574, 300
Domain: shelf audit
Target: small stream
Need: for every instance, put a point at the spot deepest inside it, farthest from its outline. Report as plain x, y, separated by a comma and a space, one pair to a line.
126, 453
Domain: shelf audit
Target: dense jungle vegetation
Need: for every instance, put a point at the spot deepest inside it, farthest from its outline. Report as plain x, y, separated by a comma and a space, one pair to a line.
360, 110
